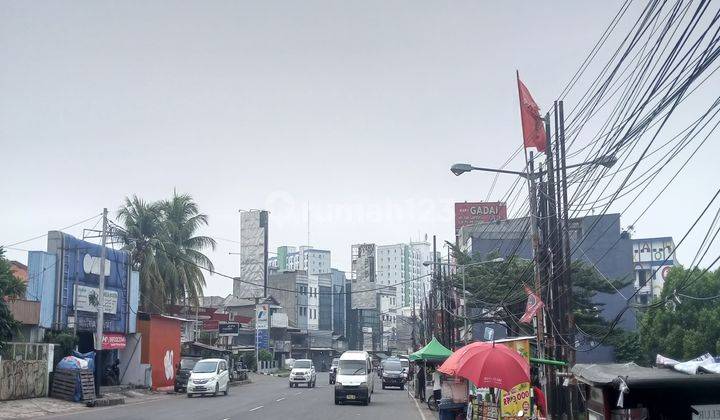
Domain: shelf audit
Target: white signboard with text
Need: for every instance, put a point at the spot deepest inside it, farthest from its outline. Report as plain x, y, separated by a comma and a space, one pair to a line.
87, 299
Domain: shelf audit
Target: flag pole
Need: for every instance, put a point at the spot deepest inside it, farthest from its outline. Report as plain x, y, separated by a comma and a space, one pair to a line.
532, 190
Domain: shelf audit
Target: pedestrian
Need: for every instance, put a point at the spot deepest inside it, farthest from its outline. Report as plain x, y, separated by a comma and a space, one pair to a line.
421, 383
437, 390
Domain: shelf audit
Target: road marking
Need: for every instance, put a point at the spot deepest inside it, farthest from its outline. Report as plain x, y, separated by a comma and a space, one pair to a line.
419, 410
280, 399
298, 393
257, 408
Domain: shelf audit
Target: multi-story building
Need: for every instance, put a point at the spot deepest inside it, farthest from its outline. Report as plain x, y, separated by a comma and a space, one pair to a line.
653, 258
597, 240
304, 258
308, 299
399, 265
290, 290
338, 301
325, 302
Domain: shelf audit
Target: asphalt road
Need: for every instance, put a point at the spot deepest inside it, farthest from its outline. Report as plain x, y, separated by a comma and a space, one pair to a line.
267, 398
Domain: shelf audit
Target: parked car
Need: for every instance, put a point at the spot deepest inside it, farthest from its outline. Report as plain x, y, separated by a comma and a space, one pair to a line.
183, 372
355, 381
393, 374
303, 372
333, 370
209, 377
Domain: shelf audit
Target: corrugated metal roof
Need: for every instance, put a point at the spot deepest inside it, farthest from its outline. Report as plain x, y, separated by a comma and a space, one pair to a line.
634, 375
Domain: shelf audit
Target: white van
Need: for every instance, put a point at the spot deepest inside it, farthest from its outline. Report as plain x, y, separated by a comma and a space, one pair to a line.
354, 380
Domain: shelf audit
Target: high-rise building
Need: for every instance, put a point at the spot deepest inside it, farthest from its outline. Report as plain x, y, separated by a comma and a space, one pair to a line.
309, 259
338, 301
252, 281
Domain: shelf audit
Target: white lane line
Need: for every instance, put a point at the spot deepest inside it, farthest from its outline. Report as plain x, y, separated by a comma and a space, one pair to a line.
419, 410
280, 399
257, 408
298, 393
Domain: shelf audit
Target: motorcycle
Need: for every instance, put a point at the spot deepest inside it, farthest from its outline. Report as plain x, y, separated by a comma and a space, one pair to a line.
111, 374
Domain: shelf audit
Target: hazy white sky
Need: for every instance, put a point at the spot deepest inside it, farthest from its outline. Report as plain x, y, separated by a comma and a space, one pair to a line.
358, 108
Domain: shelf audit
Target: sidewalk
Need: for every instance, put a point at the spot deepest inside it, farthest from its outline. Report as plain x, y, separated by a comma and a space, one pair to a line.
37, 407
422, 407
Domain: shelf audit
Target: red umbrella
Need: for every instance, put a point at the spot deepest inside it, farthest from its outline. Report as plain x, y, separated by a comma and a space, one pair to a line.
489, 366
452, 363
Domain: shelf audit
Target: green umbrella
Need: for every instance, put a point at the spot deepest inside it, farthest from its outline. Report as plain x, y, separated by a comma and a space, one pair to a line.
434, 351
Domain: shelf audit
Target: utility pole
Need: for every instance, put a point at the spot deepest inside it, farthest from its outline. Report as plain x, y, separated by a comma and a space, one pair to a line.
567, 299
539, 318
414, 318
434, 288
101, 306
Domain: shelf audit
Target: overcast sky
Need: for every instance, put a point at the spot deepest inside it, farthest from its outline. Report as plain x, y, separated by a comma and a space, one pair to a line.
357, 108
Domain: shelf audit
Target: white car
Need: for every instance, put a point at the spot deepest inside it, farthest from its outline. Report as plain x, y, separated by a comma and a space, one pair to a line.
209, 377
303, 372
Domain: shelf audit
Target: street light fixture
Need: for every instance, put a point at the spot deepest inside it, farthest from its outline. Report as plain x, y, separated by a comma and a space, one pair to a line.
460, 168
495, 260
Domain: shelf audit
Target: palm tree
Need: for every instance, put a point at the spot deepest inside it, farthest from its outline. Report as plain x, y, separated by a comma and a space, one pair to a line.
185, 279
144, 236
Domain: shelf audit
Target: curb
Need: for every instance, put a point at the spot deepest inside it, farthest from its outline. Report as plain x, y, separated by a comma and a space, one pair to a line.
238, 383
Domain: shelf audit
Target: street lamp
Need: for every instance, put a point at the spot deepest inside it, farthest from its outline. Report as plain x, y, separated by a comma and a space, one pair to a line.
495, 260
460, 168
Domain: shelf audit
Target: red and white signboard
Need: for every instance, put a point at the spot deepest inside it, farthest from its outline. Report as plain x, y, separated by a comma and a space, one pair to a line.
467, 214
112, 341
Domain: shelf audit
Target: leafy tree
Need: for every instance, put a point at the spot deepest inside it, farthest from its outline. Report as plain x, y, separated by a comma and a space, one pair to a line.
679, 325
65, 341
11, 288
248, 359
166, 249
489, 285
264, 355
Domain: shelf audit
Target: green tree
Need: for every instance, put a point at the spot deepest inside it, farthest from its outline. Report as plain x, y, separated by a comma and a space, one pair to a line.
182, 220
264, 355
166, 250
685, 321
496, 287
11, 288
144, 237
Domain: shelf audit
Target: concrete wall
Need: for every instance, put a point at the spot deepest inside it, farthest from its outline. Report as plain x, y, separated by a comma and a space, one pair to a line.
24, 370
131, 370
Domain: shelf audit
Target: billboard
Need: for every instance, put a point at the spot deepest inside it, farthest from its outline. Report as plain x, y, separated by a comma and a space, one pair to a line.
87, 299
78, 281
253, 255
227, 329
658, 251
518, 398
467, 214
261, 317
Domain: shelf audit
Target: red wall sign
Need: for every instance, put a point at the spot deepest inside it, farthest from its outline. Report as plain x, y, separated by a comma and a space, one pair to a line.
467, 214
112, 341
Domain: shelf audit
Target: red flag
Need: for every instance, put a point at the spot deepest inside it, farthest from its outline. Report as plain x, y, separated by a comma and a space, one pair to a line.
533, 305
532, 124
